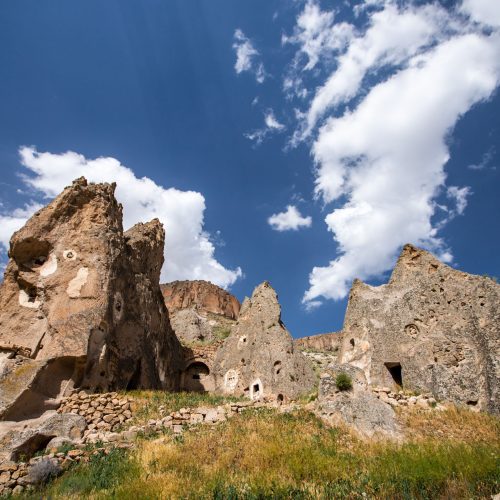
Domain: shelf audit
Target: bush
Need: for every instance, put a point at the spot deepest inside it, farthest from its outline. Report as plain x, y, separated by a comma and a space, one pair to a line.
343, 382
42, 472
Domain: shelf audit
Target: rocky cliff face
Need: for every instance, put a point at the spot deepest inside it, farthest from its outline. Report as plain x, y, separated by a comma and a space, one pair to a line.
258, 359
80, 304
431, 328
200, 311
202, 295
323, 342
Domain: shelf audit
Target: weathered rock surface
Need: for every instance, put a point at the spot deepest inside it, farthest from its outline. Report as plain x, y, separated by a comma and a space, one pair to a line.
363, 412
431, 328
259, 359
203, 295
323, 342
80, 304
358, 407
24, 439
200, 312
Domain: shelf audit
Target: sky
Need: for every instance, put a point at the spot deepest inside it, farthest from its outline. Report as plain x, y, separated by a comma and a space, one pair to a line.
299, 142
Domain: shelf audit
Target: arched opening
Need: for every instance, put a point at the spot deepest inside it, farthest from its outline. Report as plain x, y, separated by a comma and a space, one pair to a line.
197, 377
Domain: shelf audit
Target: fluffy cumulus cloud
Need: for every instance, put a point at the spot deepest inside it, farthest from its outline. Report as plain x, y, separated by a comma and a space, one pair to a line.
189, 251
390, 94
247, 57
289, 220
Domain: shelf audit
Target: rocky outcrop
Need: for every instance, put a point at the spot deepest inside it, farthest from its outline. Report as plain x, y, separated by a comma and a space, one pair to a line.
323, 342
258, 359
80, 305
431, 329
22, 440
357, 407
202, 295
200, 312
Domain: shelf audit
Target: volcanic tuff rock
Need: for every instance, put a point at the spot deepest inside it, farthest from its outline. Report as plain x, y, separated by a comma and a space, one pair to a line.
80, 304
258, 358
203, 295
329, 342
200, 311
431, 328
19, 440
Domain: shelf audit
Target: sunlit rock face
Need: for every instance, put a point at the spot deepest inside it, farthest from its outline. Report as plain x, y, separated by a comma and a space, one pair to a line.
431, 328
258, 359
199, 311
80, 304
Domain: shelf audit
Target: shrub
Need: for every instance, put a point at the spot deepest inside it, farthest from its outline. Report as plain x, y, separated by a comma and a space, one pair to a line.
343, 382
42, 472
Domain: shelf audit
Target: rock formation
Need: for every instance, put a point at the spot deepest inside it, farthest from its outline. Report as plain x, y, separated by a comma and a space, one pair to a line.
323, 342
358, 407
202, 295
258, 359
431, 329
80, 305
200, 312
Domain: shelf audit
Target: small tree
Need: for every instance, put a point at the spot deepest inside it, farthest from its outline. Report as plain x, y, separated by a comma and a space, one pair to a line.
343, 382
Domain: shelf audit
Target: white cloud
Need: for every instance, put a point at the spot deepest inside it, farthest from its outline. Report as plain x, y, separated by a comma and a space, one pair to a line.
459, 195
246, 57
289, 220
271, 121
272, 125
393, 36
483, 11
381, 145
485, 161
318, 35
189, 252
13, 221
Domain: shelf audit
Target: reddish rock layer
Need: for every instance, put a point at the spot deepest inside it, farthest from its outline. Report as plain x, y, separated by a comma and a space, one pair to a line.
320, 342
202, 295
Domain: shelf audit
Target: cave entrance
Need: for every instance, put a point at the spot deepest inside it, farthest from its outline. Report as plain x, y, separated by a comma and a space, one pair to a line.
396, 373
197, 377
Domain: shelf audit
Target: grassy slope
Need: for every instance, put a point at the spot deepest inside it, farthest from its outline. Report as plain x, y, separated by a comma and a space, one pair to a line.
262, 454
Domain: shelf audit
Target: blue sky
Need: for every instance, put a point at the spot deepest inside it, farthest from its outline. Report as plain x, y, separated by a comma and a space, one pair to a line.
297, 142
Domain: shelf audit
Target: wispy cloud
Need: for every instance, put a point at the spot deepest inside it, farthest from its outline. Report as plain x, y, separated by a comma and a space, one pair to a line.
485, 161
271, 125
247, 57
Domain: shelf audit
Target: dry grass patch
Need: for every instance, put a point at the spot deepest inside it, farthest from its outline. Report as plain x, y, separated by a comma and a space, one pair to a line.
452, 424
263, 454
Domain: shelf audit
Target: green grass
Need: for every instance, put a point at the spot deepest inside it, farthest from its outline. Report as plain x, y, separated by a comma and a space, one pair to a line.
221, 332
263, 454
102, 476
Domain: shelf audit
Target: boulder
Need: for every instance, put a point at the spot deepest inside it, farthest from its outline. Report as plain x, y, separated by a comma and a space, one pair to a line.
258, 359
328, 387
432, 328
80, 305
22, 440
362, 411
358, 407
